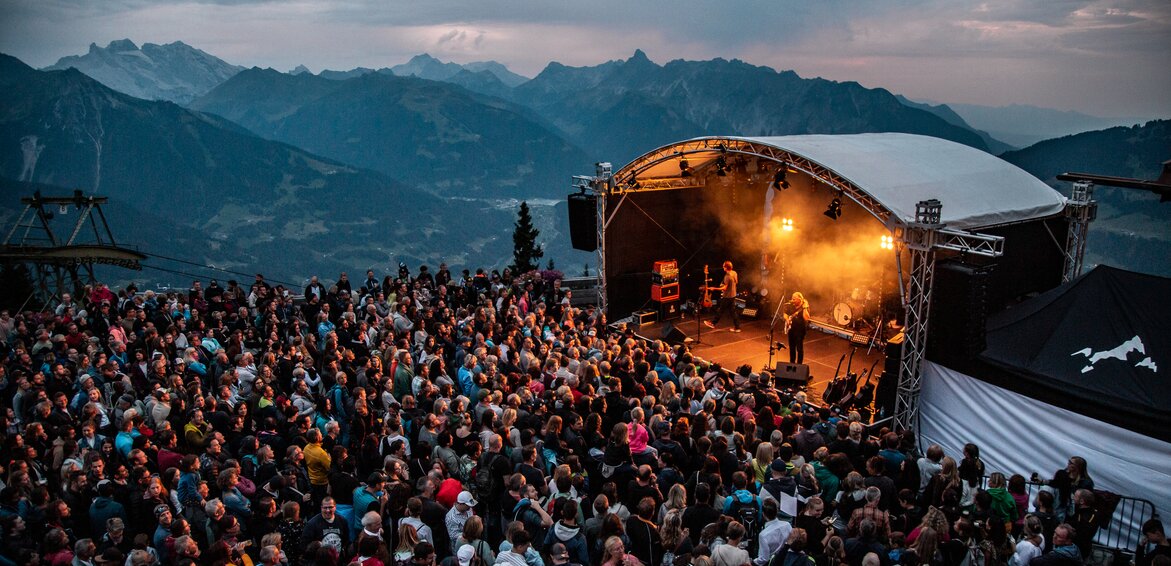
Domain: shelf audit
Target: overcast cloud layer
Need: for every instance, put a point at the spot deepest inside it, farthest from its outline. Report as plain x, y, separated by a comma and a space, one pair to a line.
1103, 57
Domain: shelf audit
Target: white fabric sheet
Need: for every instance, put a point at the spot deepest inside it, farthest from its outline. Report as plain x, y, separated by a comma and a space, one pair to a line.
1018, 434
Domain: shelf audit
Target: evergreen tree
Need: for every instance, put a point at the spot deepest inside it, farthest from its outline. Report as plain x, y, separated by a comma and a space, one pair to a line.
525, 251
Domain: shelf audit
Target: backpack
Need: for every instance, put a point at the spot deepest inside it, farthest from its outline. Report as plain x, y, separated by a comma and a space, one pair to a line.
485, 486
748, 514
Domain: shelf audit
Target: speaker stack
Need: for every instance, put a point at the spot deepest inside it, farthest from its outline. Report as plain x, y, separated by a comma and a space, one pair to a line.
583, 221
665, 288
959, 311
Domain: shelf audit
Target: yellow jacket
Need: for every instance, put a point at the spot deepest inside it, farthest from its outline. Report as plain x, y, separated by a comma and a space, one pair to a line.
317, 461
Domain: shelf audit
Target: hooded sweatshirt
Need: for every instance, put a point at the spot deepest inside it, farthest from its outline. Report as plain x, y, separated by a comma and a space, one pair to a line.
573, 539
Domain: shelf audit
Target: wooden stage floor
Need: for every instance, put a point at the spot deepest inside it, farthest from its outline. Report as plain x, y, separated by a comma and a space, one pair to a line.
823, 349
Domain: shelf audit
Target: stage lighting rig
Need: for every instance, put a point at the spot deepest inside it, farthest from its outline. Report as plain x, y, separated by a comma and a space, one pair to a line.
787, 224
888, 243
721, 166
684, 167
834, 210
779, 179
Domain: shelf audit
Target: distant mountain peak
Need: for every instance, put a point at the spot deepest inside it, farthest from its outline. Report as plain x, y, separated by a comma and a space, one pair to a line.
299, 69
424, 58
122, 45
176, 71
639, 56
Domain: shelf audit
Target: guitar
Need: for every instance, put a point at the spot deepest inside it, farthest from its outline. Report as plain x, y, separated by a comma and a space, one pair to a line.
706, 301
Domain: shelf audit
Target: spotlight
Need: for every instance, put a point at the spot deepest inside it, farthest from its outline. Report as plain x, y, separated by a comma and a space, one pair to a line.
721, 166
779, 182
684, 167
633, 183
787, 224
888, 243
834, 210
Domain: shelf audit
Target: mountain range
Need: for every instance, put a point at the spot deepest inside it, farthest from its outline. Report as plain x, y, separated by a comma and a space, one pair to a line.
1132, 229
425, 161
256, 202
1022, 125
433, 134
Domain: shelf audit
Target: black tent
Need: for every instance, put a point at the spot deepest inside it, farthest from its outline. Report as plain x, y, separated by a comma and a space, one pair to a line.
1100, 346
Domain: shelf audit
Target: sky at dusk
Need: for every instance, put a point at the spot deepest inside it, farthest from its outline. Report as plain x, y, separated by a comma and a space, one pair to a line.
1103, 57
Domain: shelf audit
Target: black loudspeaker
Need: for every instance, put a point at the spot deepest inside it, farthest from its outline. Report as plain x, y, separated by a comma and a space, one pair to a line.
790, 374
583, 221
959, 311
673, 335
888, 383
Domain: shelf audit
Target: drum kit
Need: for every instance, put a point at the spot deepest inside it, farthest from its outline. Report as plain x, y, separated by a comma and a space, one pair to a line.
861, 303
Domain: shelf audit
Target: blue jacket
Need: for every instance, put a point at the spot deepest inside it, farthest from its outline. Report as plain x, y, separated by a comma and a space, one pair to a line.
102, 509
745, 497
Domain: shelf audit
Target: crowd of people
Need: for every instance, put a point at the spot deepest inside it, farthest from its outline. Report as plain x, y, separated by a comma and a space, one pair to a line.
421, 419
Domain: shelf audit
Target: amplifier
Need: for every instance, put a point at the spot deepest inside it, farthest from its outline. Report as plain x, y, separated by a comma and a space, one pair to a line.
665, 293
792, 374
665, 272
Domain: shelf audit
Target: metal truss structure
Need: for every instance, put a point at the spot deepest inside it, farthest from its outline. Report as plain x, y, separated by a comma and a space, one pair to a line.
58, 263
1081, 209
923, 238
601, 186
632, 180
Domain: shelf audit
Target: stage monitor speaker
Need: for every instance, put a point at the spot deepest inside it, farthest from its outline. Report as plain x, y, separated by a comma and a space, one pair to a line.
790, 374
670, 311
673, 335
583, 221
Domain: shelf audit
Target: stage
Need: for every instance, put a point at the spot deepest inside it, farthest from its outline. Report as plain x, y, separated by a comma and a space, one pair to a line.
824, 346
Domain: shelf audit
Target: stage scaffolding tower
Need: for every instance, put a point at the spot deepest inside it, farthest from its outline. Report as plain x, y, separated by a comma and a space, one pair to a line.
600, 186
923, 238
1081, 209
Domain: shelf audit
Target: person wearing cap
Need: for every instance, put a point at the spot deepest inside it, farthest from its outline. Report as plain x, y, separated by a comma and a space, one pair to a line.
559, 556
368, 497
164, 518
115, 537
104, 507
466, 556
111, 556
459, 514
781, 487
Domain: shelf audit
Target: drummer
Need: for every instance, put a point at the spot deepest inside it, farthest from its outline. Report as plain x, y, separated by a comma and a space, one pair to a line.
796, 323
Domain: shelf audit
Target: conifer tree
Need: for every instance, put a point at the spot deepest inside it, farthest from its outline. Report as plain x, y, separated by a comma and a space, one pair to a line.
525, 251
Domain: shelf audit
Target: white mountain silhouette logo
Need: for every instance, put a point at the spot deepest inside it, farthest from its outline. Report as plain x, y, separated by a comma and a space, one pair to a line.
1121, 352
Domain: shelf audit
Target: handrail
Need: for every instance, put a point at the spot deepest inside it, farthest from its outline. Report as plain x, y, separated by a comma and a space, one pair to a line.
1125, 529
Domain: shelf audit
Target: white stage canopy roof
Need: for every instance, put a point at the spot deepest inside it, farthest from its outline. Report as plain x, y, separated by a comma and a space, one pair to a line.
898, 170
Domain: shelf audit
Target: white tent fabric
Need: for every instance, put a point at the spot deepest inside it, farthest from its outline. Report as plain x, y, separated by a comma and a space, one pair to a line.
1018, 434
899, 170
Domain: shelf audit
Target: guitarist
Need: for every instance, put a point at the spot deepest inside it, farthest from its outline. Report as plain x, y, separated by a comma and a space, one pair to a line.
727, 299
796, 323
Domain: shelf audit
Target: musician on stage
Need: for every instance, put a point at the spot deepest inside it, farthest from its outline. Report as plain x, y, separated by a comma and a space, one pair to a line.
727, 299
796, 323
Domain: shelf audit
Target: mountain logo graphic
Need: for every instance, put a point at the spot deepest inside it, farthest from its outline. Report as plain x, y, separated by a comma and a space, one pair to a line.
1121, 352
